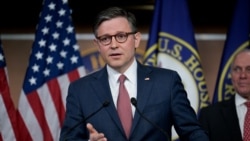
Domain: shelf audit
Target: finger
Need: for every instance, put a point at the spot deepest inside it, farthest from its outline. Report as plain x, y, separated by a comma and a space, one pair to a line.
99, 137
94, 134
91, 128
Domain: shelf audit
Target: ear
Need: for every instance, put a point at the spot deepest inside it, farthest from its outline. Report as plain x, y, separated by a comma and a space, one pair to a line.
137, 39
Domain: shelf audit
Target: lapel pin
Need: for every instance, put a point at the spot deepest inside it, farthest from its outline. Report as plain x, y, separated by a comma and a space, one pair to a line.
147, 78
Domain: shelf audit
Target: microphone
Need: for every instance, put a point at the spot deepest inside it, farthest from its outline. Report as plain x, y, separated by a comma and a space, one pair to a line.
134, 103
104, 104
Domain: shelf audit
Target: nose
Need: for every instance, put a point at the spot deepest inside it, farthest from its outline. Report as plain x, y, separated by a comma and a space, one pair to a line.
243, 74
113, 43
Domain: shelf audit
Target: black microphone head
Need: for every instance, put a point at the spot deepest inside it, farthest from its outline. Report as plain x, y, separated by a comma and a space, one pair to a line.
105, 103
134, 101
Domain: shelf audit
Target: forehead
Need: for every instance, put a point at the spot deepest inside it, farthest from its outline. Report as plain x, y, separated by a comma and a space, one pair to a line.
114, 25
242, 59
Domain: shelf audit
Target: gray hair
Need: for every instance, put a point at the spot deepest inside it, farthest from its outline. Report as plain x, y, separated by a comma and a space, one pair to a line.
241, 51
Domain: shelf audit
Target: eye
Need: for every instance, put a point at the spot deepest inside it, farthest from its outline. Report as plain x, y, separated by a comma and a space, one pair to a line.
237, 69
121, 36
104, 39
248, 69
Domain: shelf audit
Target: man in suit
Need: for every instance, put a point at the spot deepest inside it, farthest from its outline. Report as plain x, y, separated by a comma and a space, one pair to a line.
161, 97
224, 120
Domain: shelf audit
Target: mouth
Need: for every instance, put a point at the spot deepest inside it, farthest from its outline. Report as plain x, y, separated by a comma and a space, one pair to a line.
114, 55
244, 84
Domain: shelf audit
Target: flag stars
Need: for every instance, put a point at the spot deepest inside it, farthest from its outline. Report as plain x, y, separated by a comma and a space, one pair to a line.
63, 54
46, 72
70, 29
52, 47
66, 42
49, 60
35, 68
55, 46
61, 12
60, 65
59, 24
65, 1
48, 18
74, 59
42, 43
45, 30
1, 57
32, 81
55, 35
52, 6
39, 55
76, 47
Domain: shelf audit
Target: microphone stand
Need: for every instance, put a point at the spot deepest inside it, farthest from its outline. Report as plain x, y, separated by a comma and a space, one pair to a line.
134, 102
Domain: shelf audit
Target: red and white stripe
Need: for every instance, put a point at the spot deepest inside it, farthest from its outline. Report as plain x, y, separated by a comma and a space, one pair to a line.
42, 111
8, 125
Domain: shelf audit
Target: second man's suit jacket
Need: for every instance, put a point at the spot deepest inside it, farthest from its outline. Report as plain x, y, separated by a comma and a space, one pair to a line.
160, 97
221, 121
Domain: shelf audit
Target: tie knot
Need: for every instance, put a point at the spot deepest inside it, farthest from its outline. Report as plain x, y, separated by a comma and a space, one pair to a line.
247, 104
122, 78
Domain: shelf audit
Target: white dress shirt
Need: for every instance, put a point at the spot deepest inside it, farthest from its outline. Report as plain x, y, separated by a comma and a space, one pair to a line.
130, 82
241, 110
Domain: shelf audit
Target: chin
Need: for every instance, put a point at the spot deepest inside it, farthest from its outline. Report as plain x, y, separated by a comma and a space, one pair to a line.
244, 93
115, 65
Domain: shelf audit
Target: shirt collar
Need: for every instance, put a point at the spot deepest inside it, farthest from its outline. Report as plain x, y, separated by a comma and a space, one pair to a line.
239, 100
130, 73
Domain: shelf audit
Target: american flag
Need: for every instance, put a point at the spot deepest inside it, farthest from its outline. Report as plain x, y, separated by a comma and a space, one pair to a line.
54, 62
8, 125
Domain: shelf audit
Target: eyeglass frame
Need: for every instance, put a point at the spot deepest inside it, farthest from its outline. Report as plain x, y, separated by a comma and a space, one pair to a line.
110, 37
240, 70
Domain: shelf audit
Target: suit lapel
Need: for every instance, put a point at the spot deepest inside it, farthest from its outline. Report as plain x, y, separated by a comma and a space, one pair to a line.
103, 92
230, 116
144, 88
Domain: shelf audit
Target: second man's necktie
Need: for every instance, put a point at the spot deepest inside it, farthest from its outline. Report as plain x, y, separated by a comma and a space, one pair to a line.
246, 132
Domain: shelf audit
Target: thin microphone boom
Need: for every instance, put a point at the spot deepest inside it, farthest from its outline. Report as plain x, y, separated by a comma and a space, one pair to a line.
104, 104
134, 102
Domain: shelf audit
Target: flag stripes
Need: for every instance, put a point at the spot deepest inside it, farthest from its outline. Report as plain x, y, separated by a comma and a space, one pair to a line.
8, 123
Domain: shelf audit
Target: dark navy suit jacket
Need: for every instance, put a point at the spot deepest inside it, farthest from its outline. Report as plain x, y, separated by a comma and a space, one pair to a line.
160, 97
221, 121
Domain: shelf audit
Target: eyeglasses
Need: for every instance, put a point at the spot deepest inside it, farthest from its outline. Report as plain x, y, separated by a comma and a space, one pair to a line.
119, 37
239, 70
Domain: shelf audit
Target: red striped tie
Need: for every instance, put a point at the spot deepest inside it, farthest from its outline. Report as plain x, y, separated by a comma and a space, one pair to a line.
246, 133
124, 106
